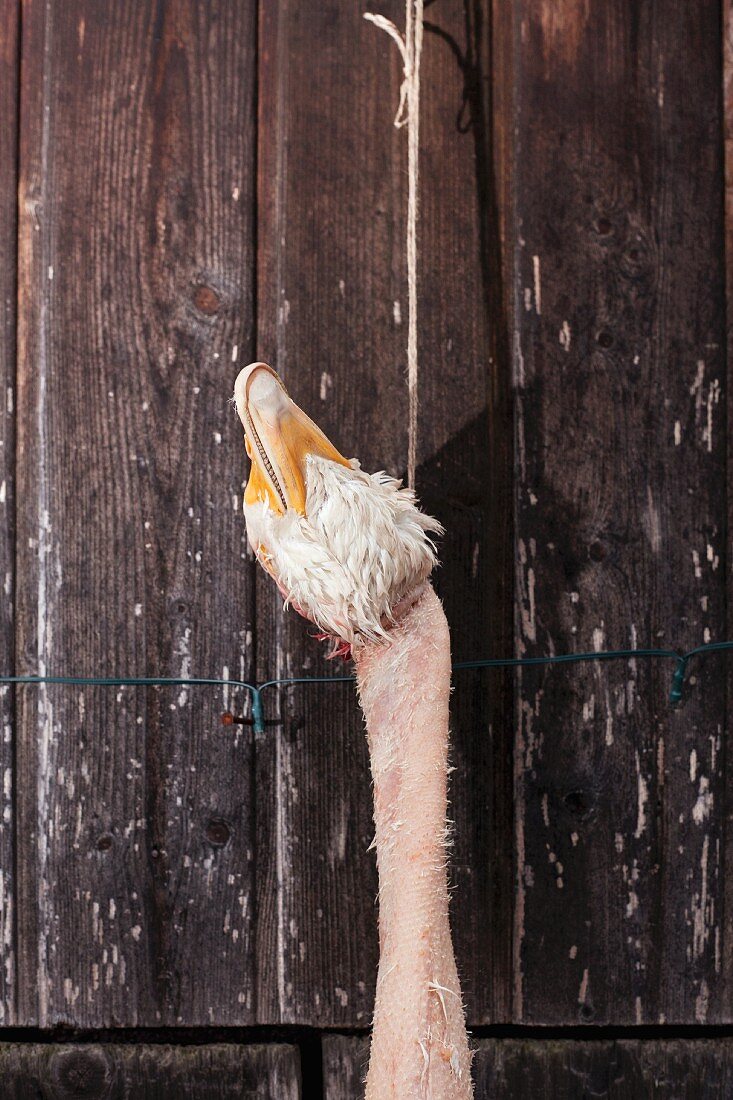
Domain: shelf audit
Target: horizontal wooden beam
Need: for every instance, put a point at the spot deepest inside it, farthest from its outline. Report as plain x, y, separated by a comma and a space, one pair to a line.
96, 1071
518, 1069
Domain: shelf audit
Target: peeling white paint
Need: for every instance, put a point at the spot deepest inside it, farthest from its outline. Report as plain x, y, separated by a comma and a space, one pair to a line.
712, 400
642, 799
527, 595
632, 904
700, 906
583, 991
652, 522
537, 284
704, 804
326, 383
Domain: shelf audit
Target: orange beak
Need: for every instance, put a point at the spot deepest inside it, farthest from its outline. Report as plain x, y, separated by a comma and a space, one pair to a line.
278, 437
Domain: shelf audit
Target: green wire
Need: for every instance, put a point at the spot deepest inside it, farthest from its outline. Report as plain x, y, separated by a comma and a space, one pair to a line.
568, 658
255, 690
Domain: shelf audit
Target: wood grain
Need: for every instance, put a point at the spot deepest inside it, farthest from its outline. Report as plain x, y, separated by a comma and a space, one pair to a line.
727, 16
532, 1069
345, 1060
136, 293
465, 474
331, 317
218, 1071
629, 1069
619, 321
9, 34
572, 220
328, 236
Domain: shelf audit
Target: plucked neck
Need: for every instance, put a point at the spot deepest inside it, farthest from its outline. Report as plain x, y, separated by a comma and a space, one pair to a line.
419, 1042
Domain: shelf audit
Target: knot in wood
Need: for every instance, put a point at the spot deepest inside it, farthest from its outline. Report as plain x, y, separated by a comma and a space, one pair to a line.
206, 300
81, 1072
579, 803
218, 832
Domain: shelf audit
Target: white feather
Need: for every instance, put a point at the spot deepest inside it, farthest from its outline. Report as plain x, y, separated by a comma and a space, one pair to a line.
362, 546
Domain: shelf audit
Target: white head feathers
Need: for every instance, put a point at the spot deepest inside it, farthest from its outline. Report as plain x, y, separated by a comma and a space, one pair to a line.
362, 547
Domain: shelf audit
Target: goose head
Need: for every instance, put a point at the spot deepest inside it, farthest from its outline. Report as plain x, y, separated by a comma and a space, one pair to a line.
347, 548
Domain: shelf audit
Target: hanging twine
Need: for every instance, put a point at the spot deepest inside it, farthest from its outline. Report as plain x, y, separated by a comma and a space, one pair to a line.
408, 114
410, 47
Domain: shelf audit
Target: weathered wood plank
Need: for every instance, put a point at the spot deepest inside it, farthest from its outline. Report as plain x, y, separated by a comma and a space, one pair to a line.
728, 125
329, 190
136, 249
465, 476
623, 1070
9, 45
530, 1069
621, 450
332, 318
345, 1060
219, 1071
728, 134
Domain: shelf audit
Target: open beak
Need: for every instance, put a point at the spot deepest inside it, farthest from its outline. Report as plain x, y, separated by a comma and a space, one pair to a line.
278, 437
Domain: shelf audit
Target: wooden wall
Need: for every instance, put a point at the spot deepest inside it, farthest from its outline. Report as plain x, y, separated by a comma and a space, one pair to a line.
574, 1070
199, 184
620, 414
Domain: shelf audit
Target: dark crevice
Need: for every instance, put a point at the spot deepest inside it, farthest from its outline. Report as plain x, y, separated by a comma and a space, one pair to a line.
308, 1039
311, 1064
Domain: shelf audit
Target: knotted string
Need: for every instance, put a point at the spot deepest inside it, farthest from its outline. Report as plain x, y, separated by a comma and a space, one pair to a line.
408, 114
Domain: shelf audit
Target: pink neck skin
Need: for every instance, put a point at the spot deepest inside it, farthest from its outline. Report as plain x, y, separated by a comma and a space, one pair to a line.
419, 1042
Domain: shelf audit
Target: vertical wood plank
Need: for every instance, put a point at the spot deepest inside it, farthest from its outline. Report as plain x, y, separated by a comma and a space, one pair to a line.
9, 45
517, 1068
621, 451
218, 1071
345, 1060
465, 473
329, 246
332, 318
727, 15
136, 292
